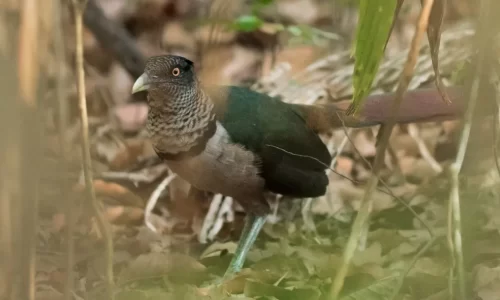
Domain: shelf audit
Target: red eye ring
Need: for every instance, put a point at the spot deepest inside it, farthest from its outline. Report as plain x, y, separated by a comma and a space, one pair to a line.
176, 72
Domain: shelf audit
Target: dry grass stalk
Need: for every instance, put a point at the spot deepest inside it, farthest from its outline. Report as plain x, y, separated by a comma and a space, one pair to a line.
361, 219
483, 40
59, 49
153, 199
79, 8
29, 51
11, 258
10, 176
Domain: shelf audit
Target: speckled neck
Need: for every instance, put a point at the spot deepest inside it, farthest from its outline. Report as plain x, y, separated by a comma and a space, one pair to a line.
180, 121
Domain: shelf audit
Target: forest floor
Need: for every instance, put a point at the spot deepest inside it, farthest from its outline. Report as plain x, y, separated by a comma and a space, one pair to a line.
184, 244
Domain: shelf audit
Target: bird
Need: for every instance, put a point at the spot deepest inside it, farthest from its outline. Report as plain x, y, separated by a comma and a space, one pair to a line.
235, 141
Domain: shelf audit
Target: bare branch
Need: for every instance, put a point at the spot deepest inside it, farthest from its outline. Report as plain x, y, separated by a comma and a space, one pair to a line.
115, 39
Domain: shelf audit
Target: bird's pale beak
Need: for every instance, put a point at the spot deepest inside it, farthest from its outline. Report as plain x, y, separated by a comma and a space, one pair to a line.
141, 84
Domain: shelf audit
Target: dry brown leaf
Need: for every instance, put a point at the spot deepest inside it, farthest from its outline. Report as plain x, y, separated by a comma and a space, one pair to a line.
128, 155
118, 192
344, 165
113, 192
124, 214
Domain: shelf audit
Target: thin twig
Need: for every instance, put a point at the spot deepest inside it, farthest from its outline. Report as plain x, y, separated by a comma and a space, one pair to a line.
147, 175
79, 8
424, 151
154, 198
367, 203
59, 49
210, 218
225, 214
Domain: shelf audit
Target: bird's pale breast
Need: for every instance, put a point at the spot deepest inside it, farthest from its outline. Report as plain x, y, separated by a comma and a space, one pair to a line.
223, 167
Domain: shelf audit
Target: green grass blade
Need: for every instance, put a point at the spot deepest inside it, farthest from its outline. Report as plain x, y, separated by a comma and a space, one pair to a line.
374, 27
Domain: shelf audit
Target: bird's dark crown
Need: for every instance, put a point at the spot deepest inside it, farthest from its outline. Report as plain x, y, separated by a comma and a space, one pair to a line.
170, 69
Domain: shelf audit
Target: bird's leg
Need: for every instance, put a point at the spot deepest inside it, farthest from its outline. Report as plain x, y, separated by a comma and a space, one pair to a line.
253, 225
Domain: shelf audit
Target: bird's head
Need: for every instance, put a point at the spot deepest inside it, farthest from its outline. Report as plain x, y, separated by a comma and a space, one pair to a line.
167, 76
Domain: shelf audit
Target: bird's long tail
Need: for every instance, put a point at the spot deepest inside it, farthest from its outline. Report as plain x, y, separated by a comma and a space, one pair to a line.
423, 105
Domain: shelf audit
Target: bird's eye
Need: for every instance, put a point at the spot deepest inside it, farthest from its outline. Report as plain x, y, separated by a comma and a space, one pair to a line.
176, 72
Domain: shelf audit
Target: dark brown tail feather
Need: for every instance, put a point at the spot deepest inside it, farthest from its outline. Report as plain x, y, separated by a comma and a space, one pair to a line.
423, 105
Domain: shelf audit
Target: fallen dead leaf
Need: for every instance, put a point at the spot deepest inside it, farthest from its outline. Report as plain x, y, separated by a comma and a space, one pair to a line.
344, 165
128, 155
121, 194
124, 215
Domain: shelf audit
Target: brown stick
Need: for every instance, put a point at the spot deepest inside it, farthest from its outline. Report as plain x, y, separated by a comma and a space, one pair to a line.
115, 39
